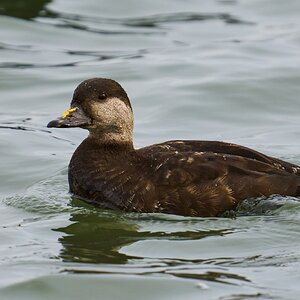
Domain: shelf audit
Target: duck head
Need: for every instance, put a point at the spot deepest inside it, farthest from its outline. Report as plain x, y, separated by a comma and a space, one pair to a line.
102, 106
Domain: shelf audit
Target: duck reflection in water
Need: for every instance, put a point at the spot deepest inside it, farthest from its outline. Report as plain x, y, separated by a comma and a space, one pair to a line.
28, 9
93, 237
96, 236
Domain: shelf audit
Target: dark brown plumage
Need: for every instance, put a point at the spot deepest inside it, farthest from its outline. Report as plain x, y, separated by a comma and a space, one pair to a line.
190, 178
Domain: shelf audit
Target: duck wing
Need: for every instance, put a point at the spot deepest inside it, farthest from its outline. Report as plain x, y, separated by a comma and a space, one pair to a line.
223, 148
204, 183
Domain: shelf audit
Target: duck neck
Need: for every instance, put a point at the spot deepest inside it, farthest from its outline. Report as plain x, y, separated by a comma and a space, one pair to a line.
112, 137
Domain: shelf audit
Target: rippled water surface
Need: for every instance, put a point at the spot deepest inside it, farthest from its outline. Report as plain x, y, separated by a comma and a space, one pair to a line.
215, 70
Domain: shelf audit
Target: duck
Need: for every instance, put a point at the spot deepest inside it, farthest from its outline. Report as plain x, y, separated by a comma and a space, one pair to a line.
181, 177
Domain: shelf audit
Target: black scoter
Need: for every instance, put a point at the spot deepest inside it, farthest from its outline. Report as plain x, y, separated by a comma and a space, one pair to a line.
190, 178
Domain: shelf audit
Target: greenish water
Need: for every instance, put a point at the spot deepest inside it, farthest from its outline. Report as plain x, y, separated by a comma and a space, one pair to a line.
215, 70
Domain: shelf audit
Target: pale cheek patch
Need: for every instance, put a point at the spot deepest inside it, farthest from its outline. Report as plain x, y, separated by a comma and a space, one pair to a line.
113, 111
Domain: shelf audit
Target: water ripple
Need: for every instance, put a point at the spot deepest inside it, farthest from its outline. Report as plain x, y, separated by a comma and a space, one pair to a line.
152, 20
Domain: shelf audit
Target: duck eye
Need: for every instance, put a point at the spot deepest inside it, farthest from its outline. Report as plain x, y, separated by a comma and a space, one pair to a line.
102, 96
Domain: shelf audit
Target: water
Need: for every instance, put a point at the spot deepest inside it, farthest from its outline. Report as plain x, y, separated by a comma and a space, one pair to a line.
215, 70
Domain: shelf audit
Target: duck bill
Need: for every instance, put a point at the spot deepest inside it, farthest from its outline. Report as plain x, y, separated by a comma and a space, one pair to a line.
73, 117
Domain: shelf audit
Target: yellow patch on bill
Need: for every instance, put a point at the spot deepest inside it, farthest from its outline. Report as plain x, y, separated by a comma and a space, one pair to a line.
67, 112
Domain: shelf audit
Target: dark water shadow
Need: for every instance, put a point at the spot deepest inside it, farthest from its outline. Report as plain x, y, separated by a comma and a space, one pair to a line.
96, 236
153, 21
23, 128
21, 124
150, 21
96, 57
27, 9
220, 277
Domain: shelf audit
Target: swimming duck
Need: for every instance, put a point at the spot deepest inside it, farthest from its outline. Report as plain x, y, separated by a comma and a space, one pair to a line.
190, 178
